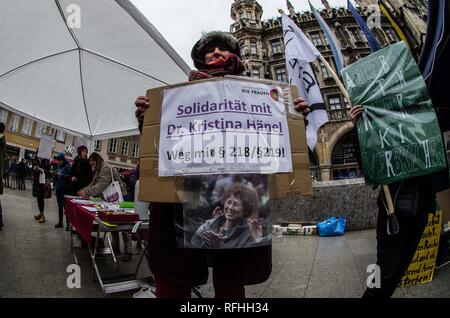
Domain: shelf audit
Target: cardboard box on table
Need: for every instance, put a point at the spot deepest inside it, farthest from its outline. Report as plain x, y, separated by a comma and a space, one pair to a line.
170, 189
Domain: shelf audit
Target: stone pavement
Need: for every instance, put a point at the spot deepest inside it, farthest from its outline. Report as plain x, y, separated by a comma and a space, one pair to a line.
34, 258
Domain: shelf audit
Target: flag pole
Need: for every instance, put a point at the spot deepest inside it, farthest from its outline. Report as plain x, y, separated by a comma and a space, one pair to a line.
336, 78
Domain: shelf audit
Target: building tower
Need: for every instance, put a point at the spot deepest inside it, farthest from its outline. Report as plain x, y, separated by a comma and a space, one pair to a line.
247, 29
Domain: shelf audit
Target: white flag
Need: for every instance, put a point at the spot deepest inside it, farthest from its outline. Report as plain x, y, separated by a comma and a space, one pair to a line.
299, 52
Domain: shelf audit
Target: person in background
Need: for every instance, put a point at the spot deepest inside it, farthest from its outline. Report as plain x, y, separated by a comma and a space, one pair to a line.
12, 172
21, 173
81, 171
104, 174
62, 184
2, 166
41, 172
6, 172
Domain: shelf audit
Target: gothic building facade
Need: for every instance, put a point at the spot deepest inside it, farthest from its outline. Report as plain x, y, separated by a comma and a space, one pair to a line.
410, 15
262, 49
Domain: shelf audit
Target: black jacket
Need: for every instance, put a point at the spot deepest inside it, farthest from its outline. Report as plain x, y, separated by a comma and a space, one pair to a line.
82, 170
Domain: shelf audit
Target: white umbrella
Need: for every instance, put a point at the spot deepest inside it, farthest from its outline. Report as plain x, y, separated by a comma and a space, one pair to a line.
82, 76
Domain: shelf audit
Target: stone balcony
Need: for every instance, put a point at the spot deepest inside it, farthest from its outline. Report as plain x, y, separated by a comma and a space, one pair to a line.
339, 114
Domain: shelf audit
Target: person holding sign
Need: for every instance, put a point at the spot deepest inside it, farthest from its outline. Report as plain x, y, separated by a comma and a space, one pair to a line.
413, 199
178, 270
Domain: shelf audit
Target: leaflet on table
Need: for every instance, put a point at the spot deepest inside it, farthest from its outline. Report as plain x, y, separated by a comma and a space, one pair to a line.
224, 126
82, 202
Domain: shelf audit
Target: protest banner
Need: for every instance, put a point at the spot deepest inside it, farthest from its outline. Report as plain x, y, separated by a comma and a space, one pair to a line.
45, 147
280, 185
398, 132
224, 126
423, 264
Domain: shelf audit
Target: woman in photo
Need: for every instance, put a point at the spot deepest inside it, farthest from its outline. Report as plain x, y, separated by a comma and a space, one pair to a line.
236, 226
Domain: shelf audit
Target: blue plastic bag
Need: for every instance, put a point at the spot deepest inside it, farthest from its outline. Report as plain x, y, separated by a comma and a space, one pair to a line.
332, 227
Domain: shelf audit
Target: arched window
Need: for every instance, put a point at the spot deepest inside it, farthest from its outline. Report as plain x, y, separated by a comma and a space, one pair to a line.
313, 165
343, 160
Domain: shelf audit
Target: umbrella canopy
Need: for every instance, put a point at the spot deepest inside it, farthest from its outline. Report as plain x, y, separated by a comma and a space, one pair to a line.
82, 76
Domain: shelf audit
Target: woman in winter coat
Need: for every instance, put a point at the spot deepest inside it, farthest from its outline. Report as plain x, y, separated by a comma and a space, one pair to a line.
41, 173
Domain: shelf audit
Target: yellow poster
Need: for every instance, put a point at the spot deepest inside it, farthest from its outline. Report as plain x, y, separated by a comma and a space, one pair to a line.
421, 269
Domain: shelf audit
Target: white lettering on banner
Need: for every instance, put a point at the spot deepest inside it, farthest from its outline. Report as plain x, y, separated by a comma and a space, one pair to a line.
384, 64
402, 107
367, 122
211, 133
380, 84
389, 167
426, 150
401, 78
349, 81
400, 129
383, 138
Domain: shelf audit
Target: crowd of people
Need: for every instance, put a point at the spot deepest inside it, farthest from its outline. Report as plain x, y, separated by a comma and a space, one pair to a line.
58, 178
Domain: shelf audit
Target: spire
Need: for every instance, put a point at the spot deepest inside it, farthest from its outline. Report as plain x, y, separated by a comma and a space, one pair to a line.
290, 8
326, 5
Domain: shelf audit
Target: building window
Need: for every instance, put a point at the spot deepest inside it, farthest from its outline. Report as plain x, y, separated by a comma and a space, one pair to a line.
249, 14
356, 34
280, 74
390, 35
98, 145
135, 151
39, 130
124, 150
3, 115
255, 72
325, 72
112, 145
27, 126
276, 46
334, 102
316, 39
60, 136
14, 123
253, 48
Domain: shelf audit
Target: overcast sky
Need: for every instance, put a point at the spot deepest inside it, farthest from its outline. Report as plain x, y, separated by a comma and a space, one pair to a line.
182, 22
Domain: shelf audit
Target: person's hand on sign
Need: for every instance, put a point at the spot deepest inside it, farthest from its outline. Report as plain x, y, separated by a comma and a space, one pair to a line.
142, 104
355, 113
212, 239
301, 105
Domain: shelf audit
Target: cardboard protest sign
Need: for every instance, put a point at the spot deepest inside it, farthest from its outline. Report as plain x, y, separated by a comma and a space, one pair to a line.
224, 211
423, 264
45, 147
280, 185
398, 132
227, 126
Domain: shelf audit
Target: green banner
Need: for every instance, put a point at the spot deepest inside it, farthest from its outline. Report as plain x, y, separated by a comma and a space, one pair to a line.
398, 132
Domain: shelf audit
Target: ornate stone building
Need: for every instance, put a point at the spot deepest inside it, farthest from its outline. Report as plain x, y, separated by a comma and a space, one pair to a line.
410, 15
263, 54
